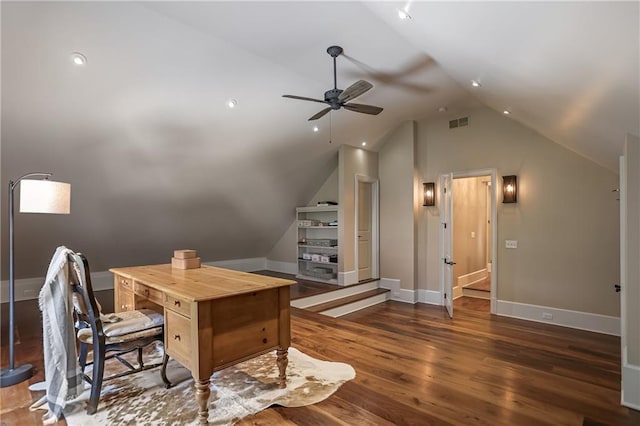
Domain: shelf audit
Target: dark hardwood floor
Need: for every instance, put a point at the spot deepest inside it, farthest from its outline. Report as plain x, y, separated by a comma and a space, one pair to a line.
415, 366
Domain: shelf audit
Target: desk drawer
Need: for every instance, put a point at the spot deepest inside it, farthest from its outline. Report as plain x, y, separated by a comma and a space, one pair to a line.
178, 337
148, 292
178, 305
125, 301
124, 283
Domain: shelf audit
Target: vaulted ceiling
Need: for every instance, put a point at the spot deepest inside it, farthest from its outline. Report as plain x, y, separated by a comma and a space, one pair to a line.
158, 160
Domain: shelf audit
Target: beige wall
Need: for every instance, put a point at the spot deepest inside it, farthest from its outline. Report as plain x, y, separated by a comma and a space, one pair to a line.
566, 219
632, 266
469, 216
398, 226
285, 249
351, 161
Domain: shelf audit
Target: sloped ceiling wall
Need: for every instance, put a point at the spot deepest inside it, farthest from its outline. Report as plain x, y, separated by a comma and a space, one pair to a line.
158, 162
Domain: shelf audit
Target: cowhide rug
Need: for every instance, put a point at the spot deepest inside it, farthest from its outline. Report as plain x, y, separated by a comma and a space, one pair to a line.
236, 392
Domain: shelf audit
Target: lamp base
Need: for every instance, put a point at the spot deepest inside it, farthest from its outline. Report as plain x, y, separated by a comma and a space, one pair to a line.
10, 377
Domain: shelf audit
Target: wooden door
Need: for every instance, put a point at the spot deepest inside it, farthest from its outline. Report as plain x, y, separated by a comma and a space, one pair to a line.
364, 231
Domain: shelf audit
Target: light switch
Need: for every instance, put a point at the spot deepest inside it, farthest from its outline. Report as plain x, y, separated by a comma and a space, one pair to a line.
473, 234
511, 244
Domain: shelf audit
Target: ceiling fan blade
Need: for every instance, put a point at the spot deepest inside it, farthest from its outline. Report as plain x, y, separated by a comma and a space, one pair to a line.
320, 114
355, 90
302, 98
365, 109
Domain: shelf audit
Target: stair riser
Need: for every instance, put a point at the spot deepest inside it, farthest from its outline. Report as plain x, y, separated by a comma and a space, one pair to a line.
356, 306
478, 294
306, 302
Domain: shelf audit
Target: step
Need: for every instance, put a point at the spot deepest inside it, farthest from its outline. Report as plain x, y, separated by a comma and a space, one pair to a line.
479, 294
339, 293
353, 303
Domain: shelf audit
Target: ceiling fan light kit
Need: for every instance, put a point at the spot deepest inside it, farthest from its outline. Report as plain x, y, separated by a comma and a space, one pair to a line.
337, 98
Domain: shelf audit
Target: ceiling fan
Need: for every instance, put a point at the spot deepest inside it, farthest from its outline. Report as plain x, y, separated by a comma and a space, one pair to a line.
337, 98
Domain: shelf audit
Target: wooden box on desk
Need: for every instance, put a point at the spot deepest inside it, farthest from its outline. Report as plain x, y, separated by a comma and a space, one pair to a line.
190, 263
185, 254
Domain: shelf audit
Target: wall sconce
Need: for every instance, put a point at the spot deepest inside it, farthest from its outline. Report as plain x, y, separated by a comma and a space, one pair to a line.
510, 189
429, 194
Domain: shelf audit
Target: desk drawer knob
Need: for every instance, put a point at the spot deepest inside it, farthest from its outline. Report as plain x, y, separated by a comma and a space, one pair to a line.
177, 303
123, 307
176, 337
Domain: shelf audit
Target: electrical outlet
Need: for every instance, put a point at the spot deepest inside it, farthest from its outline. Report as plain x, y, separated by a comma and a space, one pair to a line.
473, 234
511, 244
547, 315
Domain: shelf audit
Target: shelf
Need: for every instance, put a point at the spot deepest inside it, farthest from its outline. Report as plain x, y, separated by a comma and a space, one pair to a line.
312, 209
318, 263
318, 227
317, 247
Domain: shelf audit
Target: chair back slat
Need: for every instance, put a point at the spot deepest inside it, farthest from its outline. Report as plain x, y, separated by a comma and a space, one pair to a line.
85, 303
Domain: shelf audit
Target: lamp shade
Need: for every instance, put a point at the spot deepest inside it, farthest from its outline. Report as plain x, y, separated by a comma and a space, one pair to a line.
45, 196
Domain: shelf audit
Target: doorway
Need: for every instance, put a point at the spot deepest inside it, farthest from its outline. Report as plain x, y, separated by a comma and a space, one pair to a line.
468, 237
471, 237
366, 226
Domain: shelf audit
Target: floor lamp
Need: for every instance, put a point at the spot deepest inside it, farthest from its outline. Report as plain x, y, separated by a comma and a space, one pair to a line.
36, 196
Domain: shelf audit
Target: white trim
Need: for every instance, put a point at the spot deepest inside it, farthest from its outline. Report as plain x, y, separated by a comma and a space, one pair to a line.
317, 299
630, 396
356, 306
397, 293
457, 292
563, 317
472, 277
29, 288
622, 194
245, 265
431, 297
284, 267
347, 278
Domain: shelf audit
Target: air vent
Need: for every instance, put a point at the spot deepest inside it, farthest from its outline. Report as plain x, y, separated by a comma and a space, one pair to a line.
459, 122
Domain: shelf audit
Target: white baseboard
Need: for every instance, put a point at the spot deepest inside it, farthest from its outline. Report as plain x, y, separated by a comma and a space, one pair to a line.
245, 265
397, 293
431, 297
472, 277
457, 292
346, 278
356, 306
317, 299
29, 288
631, 386
566, 318
283, 267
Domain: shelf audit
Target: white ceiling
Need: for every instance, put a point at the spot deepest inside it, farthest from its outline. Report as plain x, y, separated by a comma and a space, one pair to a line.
147, 120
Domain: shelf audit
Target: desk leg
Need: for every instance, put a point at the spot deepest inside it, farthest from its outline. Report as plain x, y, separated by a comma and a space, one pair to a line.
202, 397
282, 361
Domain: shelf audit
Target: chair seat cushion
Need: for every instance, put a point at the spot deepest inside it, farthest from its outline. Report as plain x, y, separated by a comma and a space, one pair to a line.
125, 326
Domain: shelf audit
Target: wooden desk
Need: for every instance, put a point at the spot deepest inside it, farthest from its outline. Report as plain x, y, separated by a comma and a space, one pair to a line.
214, 317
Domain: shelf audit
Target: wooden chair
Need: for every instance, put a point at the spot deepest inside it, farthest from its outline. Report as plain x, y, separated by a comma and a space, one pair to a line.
110, 336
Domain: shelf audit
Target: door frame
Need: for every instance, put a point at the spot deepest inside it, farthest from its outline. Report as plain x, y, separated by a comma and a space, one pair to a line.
493, 173
375, 220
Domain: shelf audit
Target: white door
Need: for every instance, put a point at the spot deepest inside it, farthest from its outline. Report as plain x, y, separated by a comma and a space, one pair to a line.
446, 217
364, 231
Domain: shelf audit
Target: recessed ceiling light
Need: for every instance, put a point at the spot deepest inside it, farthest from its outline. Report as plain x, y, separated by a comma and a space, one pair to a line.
231, 103
402, 14
315, 129
364, 143
442, 109
506, 112
475, 83
78, 59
